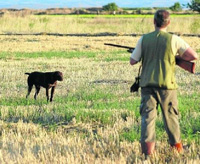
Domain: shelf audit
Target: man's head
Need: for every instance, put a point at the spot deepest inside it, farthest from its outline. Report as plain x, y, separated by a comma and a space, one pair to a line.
161, 18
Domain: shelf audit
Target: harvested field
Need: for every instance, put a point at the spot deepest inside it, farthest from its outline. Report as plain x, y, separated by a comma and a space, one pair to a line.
93, 118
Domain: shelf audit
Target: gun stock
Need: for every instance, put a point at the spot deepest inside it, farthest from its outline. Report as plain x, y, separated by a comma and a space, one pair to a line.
186, 65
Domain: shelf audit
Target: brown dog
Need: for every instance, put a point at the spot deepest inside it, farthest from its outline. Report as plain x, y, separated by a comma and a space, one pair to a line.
46, 80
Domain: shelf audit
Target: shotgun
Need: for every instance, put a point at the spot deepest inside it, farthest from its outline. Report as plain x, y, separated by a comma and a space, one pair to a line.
186, 65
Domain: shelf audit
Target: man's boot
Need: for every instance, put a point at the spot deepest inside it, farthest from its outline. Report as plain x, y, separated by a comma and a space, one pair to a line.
148, 148
178, 147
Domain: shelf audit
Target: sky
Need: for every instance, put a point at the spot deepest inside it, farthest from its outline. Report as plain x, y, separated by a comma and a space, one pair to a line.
43, 4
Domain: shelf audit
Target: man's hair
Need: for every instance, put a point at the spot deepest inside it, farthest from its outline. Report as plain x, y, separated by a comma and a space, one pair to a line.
161, 18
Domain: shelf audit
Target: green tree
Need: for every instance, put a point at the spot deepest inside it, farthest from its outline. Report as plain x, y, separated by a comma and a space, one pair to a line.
110, 7
194, 5
176, 7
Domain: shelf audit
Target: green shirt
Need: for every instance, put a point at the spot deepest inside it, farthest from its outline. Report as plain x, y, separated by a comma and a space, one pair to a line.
158, 61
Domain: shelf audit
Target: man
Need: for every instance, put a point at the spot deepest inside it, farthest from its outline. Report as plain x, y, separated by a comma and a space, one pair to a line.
157, 51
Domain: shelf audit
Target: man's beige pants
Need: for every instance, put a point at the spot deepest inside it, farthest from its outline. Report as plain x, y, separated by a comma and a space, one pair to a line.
167, 99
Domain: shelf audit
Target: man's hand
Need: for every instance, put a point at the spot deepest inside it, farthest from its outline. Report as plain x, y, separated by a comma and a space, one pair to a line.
132, 61
130, 50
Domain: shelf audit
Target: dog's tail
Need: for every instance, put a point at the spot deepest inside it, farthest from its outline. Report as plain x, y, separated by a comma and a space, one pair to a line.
27, 73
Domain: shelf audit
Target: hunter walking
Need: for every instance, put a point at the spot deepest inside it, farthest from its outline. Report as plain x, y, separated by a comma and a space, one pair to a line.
157, 52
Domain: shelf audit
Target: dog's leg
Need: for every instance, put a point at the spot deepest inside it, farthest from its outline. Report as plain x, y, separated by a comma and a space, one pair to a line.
37, 90
29, 90
52, 92
47, 94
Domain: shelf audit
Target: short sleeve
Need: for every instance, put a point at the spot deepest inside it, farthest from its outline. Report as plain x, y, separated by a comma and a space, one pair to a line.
179, 46
137, 53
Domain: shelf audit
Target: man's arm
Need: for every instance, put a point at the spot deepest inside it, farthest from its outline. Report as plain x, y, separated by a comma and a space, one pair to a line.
183, 50
136, 54
188, 55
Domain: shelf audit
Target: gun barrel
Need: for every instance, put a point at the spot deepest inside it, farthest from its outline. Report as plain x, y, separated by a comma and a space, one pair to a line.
120, 46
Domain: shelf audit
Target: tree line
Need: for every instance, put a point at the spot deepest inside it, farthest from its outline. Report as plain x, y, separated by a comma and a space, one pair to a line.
194, 5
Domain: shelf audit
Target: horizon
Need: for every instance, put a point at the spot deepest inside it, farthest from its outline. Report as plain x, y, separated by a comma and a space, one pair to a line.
42, 4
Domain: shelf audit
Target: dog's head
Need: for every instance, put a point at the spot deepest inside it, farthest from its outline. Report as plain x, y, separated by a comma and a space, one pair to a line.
58, 75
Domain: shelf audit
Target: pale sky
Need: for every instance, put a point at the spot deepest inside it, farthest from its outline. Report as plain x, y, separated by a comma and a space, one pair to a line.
43, 4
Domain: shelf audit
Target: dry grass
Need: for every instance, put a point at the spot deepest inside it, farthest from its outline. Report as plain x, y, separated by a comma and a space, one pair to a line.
67, 24
53, 43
